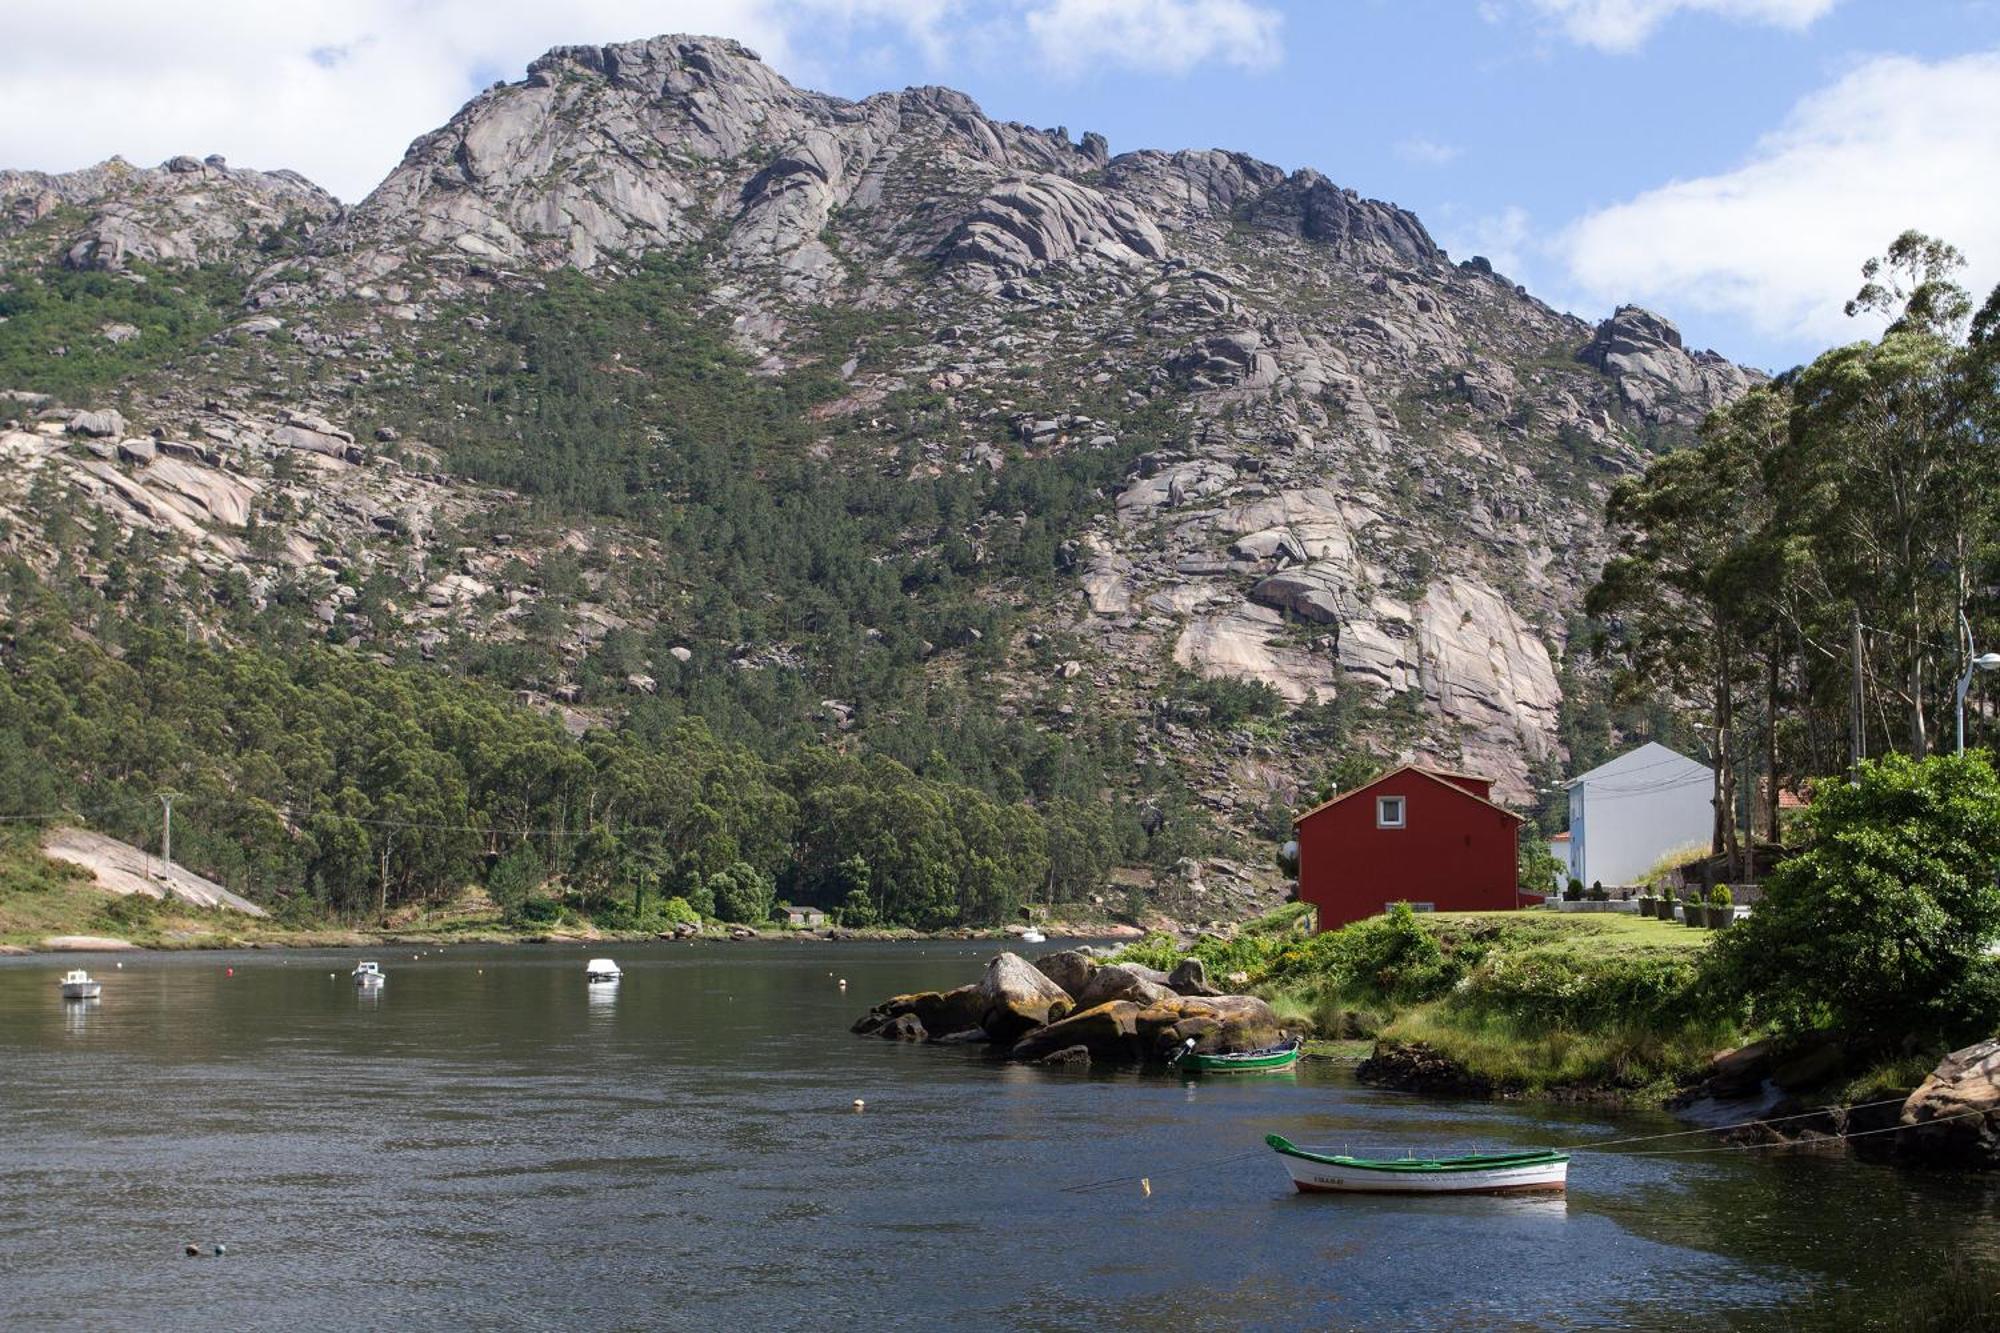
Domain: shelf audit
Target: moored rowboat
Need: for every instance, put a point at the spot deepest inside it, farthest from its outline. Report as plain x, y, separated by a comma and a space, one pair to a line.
1475, 1173
1271, 1059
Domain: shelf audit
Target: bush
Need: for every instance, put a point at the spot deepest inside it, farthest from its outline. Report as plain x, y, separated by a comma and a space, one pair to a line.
1720, 896
1599, 894
742, 894
1573, 891
677, 911
534, 912
1877, 929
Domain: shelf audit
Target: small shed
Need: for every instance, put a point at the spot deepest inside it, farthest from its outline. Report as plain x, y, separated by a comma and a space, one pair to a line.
804, 916
1426, 836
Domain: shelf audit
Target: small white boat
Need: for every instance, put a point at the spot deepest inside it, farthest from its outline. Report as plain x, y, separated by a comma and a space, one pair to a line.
1033, 936
1315, 1171
77, 985
599, 970
369, 975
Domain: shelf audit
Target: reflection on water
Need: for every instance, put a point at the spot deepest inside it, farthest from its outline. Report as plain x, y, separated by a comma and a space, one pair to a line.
490, 1141
76, 1013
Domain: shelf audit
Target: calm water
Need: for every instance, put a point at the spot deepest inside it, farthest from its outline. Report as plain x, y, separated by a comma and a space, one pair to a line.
491, 1144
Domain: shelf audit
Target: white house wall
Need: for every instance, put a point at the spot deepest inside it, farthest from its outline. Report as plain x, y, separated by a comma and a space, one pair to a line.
1627, 814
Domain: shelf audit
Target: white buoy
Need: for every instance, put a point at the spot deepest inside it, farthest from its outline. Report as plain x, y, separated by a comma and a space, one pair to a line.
1146, 1185
859, 1104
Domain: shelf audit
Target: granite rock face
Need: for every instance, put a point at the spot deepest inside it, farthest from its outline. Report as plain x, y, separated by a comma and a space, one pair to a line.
1338, 463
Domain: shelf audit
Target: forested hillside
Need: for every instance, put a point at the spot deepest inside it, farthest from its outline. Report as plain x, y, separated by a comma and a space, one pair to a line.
921, 514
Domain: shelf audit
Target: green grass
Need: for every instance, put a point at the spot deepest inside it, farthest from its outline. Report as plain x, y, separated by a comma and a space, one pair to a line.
1533, 1002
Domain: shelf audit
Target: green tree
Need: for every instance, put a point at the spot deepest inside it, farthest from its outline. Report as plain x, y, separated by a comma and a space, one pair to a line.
742, 894
1879, 928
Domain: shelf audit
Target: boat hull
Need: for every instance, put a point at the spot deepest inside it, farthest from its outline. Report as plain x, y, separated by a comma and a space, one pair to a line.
1521, 1173
1271, 1061
86, 990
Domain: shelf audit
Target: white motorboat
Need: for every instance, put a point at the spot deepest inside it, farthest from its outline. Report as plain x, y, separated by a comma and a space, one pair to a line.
369, 975
1033, 936
1317, 1171
601, 970
77, 985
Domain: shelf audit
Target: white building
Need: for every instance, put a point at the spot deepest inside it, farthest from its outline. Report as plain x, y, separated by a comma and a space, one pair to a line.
1626, 814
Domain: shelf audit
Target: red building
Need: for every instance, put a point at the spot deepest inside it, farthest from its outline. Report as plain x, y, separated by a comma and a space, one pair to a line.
1424, 836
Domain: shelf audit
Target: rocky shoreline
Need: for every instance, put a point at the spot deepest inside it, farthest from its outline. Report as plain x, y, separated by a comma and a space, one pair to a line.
1072, 1008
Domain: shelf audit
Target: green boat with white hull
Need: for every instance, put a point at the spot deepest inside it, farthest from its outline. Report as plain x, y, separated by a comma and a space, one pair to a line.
1269, 1060
1319, 1172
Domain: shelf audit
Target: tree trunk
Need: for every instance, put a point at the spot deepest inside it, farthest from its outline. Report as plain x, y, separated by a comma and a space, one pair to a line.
1771, 827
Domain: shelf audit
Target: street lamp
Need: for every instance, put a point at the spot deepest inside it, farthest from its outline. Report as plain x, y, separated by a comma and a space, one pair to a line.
1985, 661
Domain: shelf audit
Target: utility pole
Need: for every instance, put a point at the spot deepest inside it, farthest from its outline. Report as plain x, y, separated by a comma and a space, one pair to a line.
1855, 708
167, 799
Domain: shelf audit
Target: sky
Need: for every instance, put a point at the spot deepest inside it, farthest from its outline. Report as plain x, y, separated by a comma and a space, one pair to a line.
1728, 163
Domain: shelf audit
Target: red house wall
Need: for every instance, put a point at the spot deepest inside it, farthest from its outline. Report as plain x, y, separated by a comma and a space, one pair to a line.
1455, 852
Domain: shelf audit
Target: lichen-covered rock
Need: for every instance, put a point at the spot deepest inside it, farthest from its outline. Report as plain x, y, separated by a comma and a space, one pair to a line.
1107, 1031
1954, 1115
1122, 981
1015, 997
1190, 977
1219, 1024
939, 1013
1068, 968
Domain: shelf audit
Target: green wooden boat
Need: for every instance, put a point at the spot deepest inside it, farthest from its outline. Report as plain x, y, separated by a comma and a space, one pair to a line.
1318, 1171
1269, 1060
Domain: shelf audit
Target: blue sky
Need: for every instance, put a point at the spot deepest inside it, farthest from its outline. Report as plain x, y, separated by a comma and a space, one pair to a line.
1727, 162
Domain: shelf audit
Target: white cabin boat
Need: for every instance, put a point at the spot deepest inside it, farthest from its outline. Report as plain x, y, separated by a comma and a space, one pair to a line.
368, 975
1033, 936
77, 985
601, 970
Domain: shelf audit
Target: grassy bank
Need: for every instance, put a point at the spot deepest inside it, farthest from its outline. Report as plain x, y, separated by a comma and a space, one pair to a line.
1530, 1003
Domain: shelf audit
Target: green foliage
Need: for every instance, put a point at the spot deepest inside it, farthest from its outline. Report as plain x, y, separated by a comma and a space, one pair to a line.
1720, 896
516, 875
1536, 866
51, 322
1226, 701
678, 911
1878, 928
742, 894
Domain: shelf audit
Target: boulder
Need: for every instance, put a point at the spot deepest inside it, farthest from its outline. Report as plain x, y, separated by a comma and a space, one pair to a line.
1123, 981
105, 425
1068, 968
1069, 1057
945, 1013
1219, 1024
1107, 1032
1016, 998
903, 1027
1190, 977
1954, 1115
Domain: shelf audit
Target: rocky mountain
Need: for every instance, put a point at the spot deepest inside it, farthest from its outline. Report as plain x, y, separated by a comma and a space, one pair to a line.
1318, 454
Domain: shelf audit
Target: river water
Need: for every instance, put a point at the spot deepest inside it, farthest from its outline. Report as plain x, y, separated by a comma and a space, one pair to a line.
491, 1143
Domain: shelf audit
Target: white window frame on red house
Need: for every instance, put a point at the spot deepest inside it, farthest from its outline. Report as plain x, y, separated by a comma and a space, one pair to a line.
1402, 818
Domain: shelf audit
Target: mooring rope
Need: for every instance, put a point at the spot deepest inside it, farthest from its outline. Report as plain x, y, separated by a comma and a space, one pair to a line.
1723, 1129
1804, 1143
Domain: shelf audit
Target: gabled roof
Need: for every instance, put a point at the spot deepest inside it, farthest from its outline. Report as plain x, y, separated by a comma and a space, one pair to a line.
1653, 757
1432, 774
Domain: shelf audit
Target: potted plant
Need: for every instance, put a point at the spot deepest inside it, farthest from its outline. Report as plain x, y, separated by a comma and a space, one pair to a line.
1646, 904
1692, 912
1721, 907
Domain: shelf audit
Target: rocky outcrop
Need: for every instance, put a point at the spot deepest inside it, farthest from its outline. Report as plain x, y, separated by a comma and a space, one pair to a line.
1124, 981
1190, 977
1108, 1031
1657, 377
1954, 1115
1015, 997
1069, 969
1417, 1067
185, 211
1022, 226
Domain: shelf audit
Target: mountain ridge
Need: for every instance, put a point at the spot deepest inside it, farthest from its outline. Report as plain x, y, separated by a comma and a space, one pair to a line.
1308, 451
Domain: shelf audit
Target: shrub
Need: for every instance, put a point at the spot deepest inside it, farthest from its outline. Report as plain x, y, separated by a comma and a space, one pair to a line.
742, 894
1573, 891
1599, 894
1720, 896
1877, 929
534, 912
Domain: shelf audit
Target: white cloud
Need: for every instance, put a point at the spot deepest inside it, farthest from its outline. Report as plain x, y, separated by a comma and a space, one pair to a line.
1426, 152
1169, 36
1507, 239
1777, 242
1624, 25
